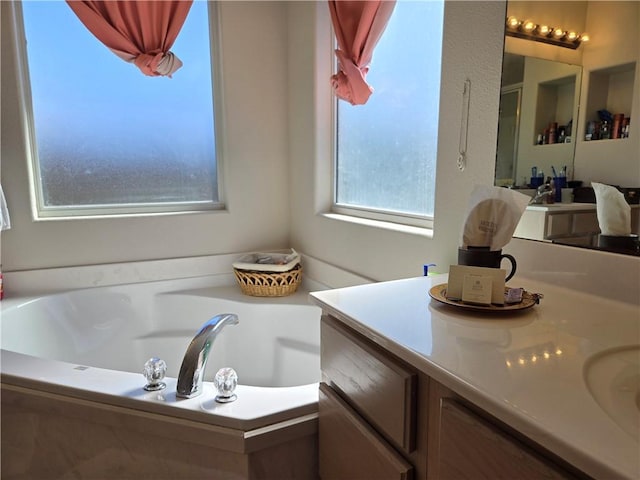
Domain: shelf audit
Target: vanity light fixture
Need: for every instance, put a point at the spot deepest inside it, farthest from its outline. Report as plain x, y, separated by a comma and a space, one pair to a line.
529, 30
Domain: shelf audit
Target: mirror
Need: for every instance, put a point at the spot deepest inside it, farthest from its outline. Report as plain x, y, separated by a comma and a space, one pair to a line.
538, 104
551, 97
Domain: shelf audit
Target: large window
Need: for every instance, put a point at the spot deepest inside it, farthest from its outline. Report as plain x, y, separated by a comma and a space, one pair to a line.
106, 139
386, 149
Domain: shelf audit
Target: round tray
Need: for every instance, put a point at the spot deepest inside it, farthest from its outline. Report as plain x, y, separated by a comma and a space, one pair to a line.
528, 300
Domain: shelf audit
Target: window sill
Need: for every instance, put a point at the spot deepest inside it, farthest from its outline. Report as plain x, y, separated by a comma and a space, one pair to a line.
114, 215
396, 227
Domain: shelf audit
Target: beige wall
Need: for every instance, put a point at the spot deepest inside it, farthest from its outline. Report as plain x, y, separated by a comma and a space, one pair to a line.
254, 37
278, 160
380, 253
265, 198
614, 29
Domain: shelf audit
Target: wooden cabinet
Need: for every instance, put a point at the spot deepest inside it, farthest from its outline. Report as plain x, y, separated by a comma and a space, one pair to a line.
380, 388
380, 418
577, 223
465, 444
370, 423
352, 449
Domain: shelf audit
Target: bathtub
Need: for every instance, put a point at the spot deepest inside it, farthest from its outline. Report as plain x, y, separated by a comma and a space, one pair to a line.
73, 403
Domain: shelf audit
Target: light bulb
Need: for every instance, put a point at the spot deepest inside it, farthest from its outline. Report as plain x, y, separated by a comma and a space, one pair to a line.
584, 37
558, 33
572, 36
512, 22
528, 26
544, 30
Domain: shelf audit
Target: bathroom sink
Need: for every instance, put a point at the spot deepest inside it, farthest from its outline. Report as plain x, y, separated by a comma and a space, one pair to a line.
613, 380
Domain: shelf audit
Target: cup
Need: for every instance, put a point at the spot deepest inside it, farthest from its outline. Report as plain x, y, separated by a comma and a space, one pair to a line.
536, 182
483, 257
558, 184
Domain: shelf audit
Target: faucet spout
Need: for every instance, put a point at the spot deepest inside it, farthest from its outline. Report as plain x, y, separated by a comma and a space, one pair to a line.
195, 358
542, 192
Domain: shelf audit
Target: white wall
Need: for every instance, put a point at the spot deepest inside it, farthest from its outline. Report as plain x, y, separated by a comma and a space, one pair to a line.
536, 114
615, 31
277, 105
380, 253
255, 164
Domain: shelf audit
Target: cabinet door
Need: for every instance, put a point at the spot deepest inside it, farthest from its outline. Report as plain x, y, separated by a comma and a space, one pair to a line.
470, 447
381, 389
350, 449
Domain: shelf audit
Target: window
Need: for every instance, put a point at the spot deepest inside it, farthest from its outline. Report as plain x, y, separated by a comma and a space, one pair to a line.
386, 149
106, 139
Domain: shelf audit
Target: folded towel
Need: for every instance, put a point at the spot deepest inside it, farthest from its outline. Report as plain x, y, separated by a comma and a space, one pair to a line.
494, 213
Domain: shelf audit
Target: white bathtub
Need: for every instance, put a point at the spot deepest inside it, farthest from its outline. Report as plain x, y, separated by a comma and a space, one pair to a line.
88, 347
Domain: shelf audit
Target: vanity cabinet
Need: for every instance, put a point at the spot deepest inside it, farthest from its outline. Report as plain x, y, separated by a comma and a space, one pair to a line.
575, 223
465, 443
380, 418
569, 223
370, 424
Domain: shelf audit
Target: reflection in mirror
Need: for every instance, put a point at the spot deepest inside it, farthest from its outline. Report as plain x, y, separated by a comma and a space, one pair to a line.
538, 105
558, 107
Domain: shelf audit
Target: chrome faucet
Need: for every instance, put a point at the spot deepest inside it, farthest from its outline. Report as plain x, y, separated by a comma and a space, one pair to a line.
195, 358
543, 191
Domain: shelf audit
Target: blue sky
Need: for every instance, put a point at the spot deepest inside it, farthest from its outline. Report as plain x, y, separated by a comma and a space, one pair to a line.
81, 90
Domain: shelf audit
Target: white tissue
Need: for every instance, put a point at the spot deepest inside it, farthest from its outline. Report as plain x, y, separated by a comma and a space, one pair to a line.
5, 221
494, 213
614, 213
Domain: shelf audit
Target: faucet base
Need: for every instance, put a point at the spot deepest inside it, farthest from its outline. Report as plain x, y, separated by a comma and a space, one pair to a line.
226, 399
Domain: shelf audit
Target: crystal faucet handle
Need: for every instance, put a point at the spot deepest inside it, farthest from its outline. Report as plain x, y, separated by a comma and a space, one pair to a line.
225, 381
154, 371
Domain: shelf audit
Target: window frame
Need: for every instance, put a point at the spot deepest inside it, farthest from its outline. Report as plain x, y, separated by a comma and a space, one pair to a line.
377, 216
41, 212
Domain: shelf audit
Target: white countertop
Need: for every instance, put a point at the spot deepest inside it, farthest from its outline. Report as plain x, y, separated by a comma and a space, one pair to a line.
526, 368
567, 207
564, 207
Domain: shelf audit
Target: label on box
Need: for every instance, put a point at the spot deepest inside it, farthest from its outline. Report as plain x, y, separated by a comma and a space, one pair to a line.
456, 279
477, 289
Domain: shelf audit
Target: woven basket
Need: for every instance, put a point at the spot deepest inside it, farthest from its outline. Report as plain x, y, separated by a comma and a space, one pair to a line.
269, 284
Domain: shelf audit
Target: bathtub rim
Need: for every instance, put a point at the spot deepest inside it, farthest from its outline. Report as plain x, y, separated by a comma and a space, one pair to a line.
123, 388
256, 407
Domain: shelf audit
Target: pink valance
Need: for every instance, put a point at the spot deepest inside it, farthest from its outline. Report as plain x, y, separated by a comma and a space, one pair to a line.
358, 26
141, 32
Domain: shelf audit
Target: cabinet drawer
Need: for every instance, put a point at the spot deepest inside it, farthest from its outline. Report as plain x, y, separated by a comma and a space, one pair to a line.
381, 389
585, 223
558, 225
350, 449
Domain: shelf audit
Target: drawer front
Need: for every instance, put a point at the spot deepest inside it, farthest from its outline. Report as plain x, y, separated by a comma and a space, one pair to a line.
558, 225
351, 449
377, 386
585, 223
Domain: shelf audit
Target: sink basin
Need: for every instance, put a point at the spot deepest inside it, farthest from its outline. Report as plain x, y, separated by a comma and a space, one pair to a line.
613, 379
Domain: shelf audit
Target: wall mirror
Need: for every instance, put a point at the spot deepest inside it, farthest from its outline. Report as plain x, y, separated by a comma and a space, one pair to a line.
552, 97
539, 102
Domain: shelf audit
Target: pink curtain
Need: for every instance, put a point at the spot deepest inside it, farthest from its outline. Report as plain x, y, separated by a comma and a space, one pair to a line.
358, 26
141, 32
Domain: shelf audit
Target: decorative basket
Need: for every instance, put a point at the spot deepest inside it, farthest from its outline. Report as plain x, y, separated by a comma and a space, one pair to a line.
269, 284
